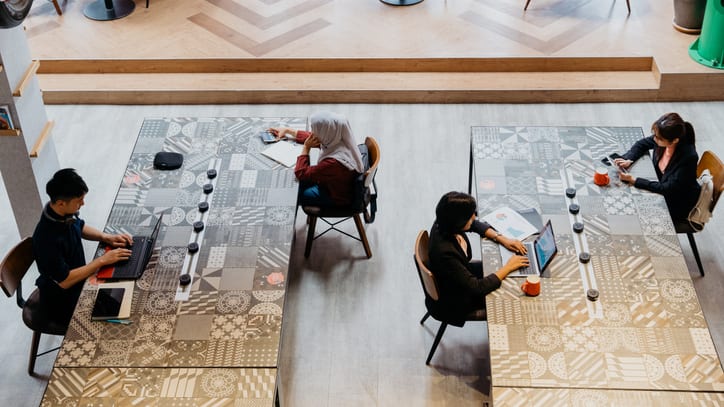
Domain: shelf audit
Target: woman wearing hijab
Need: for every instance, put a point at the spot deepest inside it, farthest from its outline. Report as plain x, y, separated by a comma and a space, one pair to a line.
331, 181
675, 160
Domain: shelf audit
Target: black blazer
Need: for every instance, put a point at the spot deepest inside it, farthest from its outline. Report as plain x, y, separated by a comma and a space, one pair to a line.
460, 291
678, 183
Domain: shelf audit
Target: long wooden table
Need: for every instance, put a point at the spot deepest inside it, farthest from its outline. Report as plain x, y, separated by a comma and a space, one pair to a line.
645, 341
215, 341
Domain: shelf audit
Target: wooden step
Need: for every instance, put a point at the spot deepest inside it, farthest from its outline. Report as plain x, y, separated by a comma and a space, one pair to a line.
336, 87
384, 80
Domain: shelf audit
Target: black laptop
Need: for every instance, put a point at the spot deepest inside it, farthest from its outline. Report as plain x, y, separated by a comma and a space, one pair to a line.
140, 255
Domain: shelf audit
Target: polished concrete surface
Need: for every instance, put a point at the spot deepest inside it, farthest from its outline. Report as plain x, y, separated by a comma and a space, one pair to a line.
351, 335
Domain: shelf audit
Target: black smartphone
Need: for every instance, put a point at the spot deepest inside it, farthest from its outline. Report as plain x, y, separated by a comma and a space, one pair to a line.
608, 160
268, 137
613, 157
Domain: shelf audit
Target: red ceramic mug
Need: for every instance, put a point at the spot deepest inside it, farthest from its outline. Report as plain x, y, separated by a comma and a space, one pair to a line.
600, 177
531, 286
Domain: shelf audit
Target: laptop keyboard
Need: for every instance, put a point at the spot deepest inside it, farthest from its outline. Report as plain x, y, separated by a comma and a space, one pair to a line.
128, 267
528, 270
531, 259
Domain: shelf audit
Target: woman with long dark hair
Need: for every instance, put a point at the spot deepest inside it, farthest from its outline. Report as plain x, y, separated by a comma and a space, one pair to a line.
461, 284
675, 159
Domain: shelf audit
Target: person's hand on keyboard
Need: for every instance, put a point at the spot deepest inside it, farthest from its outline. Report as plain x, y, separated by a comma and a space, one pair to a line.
514, 263
114, 256
515, 246
122, 240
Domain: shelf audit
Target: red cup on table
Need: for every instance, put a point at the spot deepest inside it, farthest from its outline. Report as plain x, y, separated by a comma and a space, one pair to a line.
600, 177
531, 286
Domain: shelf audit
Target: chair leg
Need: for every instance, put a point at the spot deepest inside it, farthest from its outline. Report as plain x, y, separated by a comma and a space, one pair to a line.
427, 315
694, 249
362, 234
57, 7
33, 352
526, 5
628, 4
312, 220
436, 342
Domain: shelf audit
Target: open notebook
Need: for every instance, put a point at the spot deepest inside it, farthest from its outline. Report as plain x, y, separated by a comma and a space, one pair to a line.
284, 152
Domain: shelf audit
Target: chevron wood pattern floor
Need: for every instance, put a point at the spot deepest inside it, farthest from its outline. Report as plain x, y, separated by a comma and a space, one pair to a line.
365, 28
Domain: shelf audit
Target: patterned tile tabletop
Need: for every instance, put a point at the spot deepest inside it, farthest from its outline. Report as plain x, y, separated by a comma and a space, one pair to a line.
172, 387
543, 397
647, 330
230, 315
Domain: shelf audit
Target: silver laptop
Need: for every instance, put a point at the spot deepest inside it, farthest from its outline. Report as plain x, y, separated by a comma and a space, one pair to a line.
540, 253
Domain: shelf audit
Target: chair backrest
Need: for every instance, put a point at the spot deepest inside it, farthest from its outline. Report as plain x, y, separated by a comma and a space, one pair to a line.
716, 168
421, 261
14, 266
374, 158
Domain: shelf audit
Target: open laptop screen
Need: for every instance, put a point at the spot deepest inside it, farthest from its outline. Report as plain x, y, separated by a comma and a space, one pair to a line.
545, 247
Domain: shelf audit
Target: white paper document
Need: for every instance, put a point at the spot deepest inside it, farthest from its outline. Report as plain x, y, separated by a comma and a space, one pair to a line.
510, 223
284, 152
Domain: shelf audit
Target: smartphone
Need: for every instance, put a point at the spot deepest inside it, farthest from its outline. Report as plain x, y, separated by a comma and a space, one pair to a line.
608, 160
613, 157
268, 137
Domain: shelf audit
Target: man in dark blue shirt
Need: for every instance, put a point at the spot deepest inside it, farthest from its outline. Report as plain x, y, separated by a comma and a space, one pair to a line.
58, 248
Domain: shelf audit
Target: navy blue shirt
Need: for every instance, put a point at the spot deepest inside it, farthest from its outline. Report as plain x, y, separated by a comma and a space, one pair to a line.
58, 248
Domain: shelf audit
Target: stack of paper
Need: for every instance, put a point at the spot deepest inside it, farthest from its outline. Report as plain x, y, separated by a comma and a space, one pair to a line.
510, 223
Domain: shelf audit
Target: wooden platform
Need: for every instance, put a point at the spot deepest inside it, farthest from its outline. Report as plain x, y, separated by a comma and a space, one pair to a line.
325, 51
412, 80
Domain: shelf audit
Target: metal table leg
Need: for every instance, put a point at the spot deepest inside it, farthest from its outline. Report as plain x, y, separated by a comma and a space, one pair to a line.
106, 10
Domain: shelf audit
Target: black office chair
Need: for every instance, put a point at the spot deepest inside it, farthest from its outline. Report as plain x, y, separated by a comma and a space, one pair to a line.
365, 196
12, 270
711, 162
429, 286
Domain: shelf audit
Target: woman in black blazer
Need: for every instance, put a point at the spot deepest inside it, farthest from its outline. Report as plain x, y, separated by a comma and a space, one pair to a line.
675, 160
461, 284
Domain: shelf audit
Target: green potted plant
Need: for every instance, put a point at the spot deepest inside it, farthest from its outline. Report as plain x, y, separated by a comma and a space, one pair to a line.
689, 15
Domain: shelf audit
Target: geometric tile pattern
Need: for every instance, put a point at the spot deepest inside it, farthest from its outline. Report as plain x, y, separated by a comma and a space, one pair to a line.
160, 387
539, 397
232, 317
646, 331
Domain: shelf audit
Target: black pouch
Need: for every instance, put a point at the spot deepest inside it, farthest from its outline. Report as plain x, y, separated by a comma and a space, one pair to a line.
166, 160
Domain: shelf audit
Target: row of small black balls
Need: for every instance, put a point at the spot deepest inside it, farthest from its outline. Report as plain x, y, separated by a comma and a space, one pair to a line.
193, 247
584, 257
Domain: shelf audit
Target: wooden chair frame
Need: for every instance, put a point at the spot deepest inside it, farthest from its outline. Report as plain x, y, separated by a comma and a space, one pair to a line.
628, 5
12, 270
429, 287
709, 161
314, 213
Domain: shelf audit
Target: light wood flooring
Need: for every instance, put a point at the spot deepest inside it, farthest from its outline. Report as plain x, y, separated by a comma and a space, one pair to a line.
243, 32
364, 28
351, 335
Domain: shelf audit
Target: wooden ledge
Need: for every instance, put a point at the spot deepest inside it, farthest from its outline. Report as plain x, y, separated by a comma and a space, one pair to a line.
10, 132
26, 78
307, 65
40, 142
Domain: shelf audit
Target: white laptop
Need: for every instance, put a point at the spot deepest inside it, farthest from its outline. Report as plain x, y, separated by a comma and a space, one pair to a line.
540, 253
